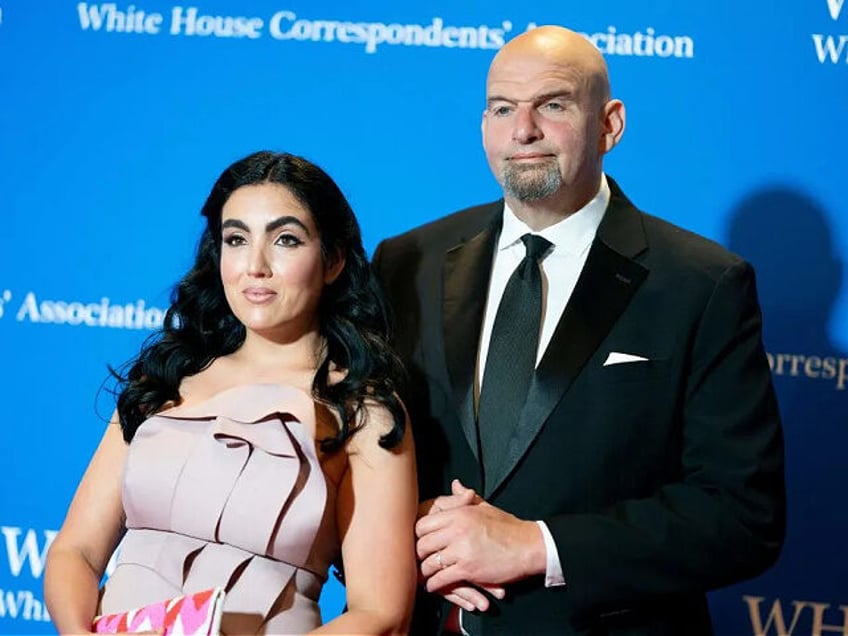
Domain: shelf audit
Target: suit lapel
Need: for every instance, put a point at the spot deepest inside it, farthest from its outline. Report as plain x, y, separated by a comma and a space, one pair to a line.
605, 286
467, 268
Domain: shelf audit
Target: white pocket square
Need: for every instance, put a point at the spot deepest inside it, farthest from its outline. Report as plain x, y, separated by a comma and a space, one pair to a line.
616, 357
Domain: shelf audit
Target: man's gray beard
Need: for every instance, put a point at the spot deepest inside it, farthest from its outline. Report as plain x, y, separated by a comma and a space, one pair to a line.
531, 183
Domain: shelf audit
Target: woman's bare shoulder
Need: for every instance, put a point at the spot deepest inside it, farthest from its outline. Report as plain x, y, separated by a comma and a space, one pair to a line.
375, 420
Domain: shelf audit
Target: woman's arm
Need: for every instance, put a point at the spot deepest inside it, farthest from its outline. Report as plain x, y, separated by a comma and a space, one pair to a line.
377, 506
93, 526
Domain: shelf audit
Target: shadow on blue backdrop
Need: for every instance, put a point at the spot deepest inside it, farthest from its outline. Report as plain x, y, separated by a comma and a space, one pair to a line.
785, 234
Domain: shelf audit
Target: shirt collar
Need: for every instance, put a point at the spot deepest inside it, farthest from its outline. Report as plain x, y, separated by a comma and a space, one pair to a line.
573, 235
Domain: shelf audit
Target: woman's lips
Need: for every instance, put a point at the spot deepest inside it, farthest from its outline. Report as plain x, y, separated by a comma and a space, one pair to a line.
259, 294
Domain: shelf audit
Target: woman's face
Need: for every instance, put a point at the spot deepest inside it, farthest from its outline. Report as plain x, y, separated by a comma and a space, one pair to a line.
272, 268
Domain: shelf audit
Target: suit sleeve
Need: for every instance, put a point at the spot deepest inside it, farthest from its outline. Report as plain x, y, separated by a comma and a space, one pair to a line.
724, 520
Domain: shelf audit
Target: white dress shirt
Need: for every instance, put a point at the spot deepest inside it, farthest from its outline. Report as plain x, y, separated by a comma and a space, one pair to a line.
571, 239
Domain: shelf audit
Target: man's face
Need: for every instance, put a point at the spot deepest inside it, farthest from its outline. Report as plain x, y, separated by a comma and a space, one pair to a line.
542, 126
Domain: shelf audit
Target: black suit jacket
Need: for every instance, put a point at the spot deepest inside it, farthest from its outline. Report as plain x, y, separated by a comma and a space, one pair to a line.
659, 480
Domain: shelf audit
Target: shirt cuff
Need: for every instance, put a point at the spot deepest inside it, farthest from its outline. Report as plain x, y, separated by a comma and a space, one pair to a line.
553, 568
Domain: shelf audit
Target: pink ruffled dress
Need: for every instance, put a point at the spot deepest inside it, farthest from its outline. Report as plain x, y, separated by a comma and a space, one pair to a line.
229, 492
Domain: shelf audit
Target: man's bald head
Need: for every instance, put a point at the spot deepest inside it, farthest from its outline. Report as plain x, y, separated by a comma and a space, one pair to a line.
549, 121
560, 46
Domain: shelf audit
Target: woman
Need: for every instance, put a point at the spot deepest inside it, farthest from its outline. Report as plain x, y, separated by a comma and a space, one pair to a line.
259, 438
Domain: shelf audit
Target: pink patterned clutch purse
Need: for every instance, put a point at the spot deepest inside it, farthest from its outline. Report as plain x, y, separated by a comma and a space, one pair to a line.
198, 613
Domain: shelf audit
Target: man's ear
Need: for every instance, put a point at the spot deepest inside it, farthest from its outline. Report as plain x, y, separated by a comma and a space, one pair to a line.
334, 266
612, 124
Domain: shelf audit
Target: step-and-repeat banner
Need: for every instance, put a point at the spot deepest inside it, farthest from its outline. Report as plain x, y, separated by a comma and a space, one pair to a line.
116, 118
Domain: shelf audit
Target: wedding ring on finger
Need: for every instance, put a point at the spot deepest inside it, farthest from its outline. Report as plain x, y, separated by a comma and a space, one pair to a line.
439, 560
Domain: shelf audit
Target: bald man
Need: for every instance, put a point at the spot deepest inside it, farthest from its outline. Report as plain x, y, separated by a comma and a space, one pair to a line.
598, 439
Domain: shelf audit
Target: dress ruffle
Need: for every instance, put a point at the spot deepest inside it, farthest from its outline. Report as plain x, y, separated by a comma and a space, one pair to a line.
227, 492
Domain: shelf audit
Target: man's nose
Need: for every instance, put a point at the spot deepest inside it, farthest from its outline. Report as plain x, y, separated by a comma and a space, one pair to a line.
526, 129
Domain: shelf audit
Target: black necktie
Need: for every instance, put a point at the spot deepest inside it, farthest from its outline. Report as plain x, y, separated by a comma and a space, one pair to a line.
512, 353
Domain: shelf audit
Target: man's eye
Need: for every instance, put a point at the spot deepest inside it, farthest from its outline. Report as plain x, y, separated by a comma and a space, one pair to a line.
553, 106
500, 111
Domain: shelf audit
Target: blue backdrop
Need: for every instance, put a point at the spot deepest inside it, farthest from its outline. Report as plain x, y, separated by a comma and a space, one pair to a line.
116, 119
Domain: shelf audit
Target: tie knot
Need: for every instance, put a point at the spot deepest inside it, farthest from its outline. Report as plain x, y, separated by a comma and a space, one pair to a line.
536, 246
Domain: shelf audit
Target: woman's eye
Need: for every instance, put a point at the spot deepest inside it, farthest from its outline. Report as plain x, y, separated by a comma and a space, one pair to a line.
288, 240
233, 240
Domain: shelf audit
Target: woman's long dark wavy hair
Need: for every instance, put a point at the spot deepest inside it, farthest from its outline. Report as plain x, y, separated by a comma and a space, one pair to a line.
199, 325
